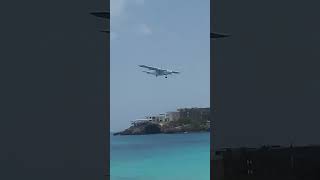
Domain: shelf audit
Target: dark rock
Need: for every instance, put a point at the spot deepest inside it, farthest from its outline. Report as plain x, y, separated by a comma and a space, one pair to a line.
146, 128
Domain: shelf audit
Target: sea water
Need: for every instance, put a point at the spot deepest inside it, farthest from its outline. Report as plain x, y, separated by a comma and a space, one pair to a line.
160, 157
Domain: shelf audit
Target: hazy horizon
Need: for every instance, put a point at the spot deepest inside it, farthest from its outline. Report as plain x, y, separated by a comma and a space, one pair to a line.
163, 34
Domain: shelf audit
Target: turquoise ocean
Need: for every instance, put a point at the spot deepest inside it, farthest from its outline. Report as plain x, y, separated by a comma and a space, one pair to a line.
160, 157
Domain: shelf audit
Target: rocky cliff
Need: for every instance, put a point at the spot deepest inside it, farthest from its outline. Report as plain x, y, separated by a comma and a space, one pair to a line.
179, 126
146, 128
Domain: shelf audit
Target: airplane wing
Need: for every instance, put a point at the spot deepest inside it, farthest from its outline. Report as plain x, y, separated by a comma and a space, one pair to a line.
105, 15
216, 35
105, 31
148, 72
151, 68
175, 72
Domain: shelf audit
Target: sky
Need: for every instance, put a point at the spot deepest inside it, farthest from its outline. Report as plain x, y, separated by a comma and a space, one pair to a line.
167, 34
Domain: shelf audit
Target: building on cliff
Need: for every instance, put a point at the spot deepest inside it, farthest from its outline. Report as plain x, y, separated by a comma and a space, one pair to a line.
159, 119
173, 116
202, 114
139, 122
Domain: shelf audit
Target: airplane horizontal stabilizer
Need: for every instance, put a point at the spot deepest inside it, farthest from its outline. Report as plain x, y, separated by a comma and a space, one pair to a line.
216, 35
105, 15
105, 31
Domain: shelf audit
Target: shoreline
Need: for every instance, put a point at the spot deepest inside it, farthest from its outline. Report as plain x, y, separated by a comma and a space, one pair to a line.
194, 132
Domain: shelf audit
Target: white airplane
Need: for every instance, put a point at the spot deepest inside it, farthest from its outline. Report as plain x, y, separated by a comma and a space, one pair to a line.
158, 72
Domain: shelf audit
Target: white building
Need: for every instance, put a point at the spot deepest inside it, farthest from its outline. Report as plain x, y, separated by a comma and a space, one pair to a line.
139, 122
161, 118
158, 118
172, 116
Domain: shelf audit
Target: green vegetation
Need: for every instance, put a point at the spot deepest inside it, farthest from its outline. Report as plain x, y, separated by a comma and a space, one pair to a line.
189, 124
177, 126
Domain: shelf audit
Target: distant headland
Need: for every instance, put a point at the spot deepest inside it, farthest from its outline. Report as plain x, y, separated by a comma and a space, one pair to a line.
183, 120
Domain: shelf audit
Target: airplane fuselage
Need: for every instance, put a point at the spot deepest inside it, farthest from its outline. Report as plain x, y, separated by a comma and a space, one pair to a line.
158, 71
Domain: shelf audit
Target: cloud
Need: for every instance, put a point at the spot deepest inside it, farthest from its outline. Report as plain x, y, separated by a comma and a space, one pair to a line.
144, 29
120, 17
117, 7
